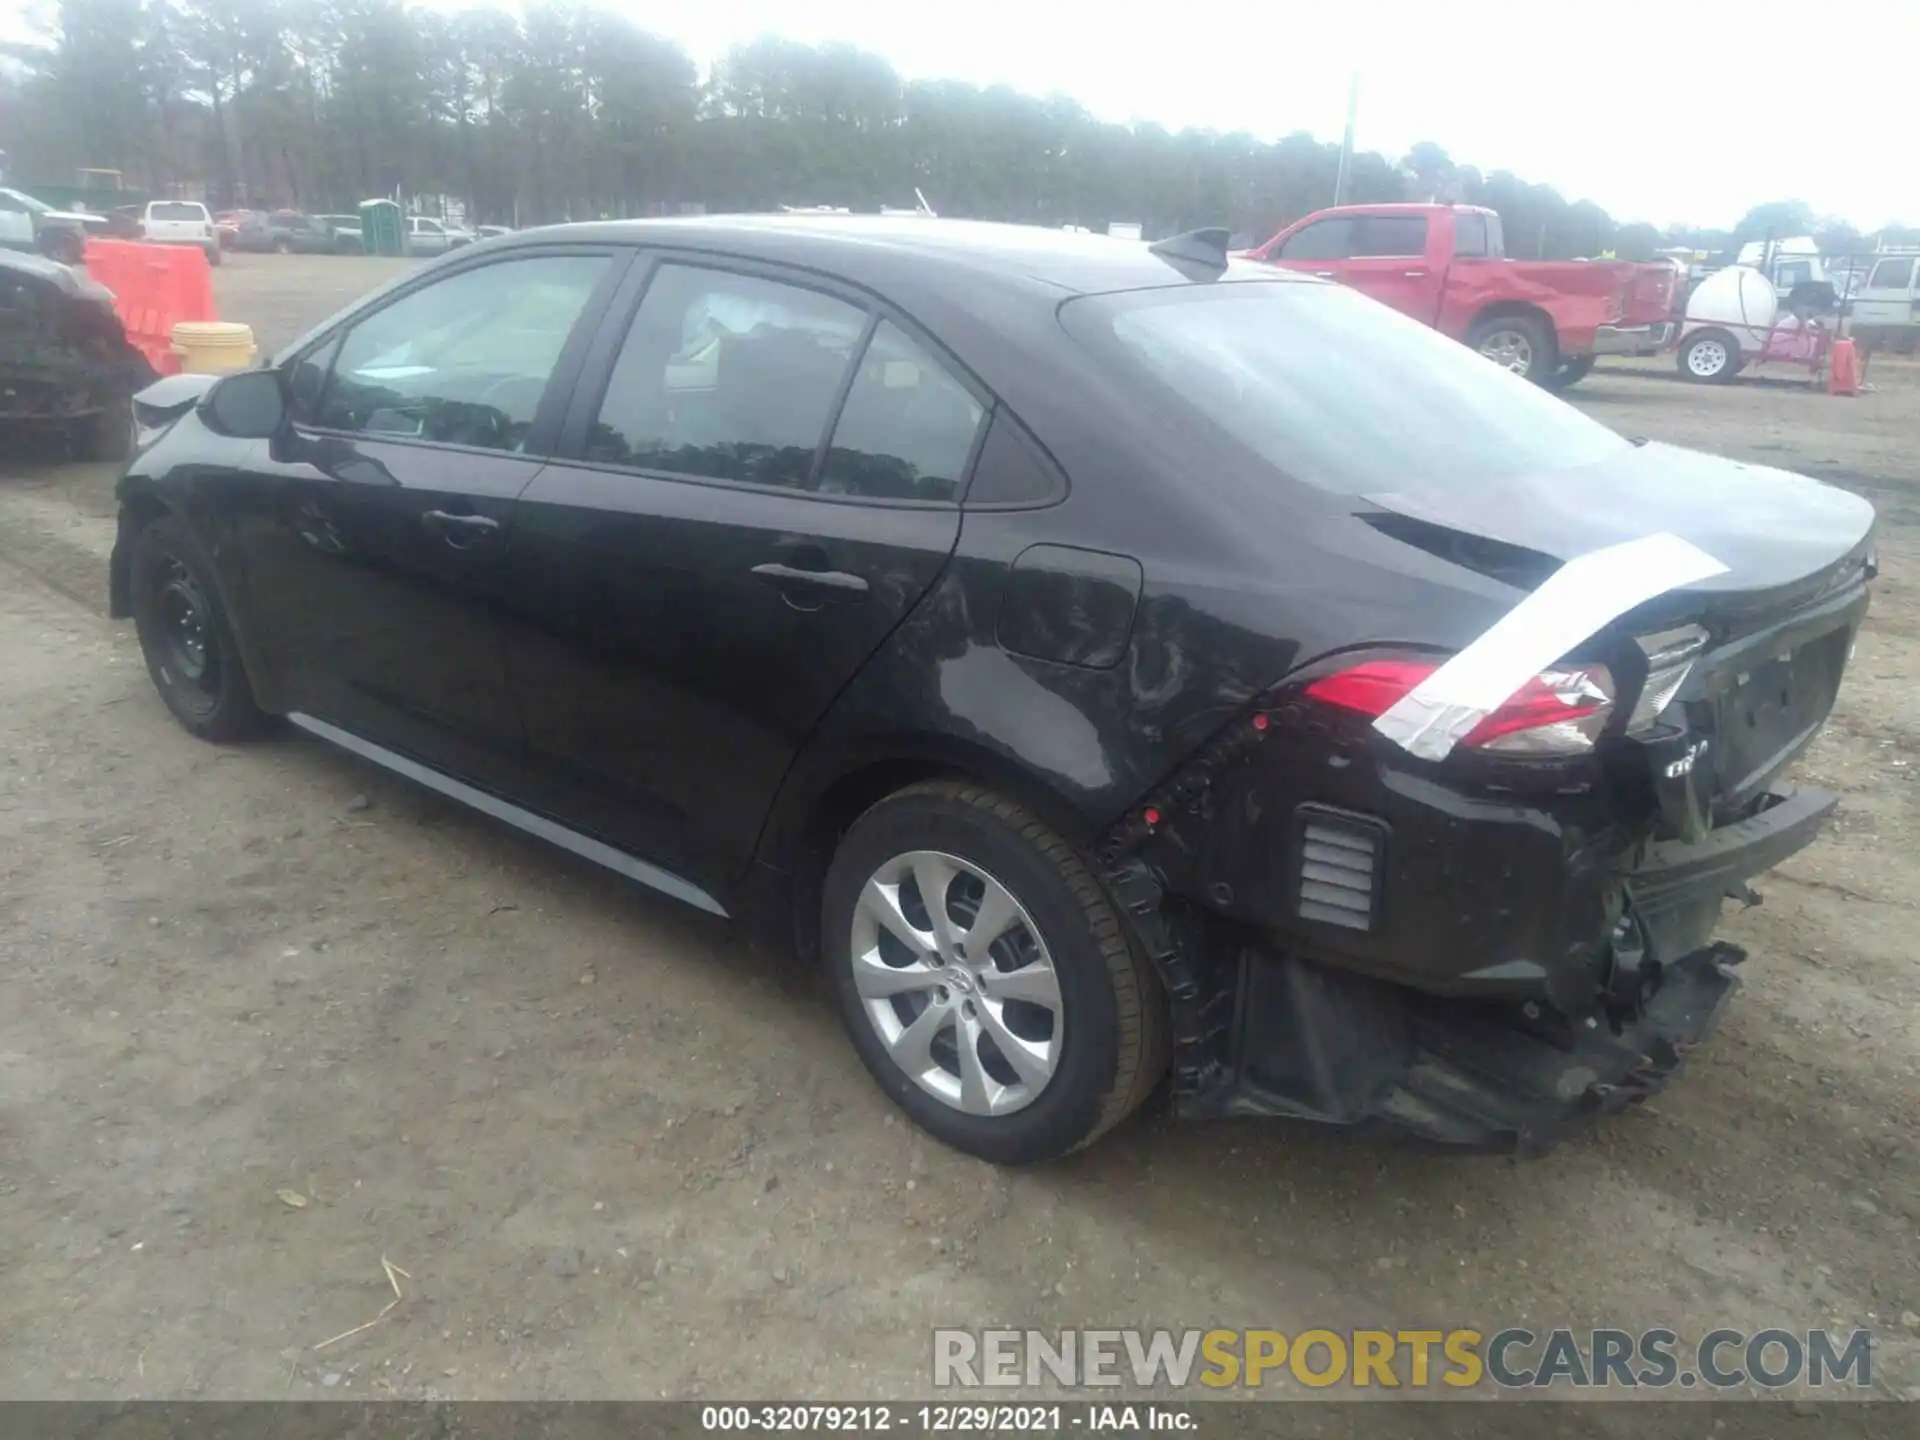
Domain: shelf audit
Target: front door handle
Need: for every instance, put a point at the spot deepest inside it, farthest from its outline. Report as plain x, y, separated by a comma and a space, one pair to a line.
837, 583
459, 531
1326, 274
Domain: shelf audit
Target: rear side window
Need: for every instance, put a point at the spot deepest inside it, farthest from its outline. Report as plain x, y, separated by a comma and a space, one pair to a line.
1892, 275
1390, 235
464, 360
175, 210
1323, 240
1333, 389
1470, 237
730, 377
907, 428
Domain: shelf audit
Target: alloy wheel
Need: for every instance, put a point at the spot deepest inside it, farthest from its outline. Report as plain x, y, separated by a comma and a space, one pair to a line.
1510, 350
956, 980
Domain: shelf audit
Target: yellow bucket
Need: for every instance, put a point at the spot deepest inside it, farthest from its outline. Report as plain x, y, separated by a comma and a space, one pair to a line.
212, 347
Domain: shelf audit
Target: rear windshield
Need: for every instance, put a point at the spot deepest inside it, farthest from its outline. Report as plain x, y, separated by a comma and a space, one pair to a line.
1334, 389
175, 210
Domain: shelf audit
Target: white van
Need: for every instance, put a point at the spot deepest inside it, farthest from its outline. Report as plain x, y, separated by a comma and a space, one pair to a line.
180, 222
1886, 307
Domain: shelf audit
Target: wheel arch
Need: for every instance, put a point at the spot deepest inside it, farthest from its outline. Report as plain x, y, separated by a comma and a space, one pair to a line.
138, 510
1515, 310
818, 805
140, 505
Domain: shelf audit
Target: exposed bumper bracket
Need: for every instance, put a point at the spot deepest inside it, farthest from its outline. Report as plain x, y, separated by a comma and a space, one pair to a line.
1314, 1046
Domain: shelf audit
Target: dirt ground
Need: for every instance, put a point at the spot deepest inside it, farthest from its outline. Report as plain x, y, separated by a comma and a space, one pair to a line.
269, 1017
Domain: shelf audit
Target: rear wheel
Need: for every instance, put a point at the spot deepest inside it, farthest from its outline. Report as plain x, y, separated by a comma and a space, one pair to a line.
1711, 357
986, 979
1519, 343
184, 635
213, 254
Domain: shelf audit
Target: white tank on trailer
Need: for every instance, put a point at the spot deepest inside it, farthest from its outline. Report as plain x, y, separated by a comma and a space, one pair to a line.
1738, 296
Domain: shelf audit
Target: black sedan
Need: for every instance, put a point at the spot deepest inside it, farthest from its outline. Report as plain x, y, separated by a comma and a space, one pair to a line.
1118, 664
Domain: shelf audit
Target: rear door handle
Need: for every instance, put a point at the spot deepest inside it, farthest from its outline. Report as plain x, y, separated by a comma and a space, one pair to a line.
459, 531
837, 582
1326, 274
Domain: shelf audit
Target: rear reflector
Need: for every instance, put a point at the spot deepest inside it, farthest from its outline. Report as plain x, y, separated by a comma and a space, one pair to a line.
1341, 859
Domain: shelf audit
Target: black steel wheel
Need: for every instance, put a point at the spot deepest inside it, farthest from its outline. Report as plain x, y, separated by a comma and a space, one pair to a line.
184, 635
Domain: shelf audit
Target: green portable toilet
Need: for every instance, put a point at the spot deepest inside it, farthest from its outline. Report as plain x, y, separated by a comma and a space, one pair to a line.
380, 228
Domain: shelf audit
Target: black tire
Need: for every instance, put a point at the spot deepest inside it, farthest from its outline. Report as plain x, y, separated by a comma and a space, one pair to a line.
213, 700
1520, 343
1697, 358
282, 247
213, 255
1114, 1041
1571, 373
106, 436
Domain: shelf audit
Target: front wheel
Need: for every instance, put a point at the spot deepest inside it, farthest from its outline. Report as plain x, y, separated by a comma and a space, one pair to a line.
1519, 343
1710, 357
986, 979
66, 247
184, 635
106, 436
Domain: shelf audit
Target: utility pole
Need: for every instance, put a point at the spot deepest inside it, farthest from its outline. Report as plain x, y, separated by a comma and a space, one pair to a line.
1346, 144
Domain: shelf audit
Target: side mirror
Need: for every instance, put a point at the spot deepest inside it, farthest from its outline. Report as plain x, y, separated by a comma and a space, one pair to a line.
248, 405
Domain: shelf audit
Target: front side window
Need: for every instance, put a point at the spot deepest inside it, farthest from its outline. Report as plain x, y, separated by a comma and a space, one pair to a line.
1326, 240
1335, 390
907, 428
728, 376
464, 360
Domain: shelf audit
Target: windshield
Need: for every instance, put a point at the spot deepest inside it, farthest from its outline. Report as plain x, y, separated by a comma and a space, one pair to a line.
28, 203
1337, 390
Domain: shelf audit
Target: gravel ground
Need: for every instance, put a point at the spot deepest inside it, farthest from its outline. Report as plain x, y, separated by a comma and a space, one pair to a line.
269, 1018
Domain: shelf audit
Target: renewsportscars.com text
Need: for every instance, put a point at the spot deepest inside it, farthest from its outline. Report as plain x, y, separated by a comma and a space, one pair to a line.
1514, 1358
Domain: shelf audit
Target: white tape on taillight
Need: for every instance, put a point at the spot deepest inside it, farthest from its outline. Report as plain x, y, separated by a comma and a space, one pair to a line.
1575, 601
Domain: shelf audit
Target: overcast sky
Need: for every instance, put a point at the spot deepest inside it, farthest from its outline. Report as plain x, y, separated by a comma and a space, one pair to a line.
1688, 110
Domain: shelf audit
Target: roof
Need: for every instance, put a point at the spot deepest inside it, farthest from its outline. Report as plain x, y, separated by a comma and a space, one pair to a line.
894, 250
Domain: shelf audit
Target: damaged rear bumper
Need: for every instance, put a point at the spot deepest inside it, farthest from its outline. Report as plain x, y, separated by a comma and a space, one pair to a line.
1314, 1042
1324, 1046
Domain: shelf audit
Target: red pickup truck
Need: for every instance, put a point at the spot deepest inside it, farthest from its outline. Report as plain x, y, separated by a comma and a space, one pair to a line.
1446, 266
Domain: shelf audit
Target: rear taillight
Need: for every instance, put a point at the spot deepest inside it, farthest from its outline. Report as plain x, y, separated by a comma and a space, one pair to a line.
1557, 712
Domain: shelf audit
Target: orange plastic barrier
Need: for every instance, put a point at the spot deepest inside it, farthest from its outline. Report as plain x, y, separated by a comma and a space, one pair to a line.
1844, 376
154, 288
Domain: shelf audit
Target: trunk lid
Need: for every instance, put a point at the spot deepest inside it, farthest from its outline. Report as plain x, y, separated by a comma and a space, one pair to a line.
1748, 661
1776, 532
